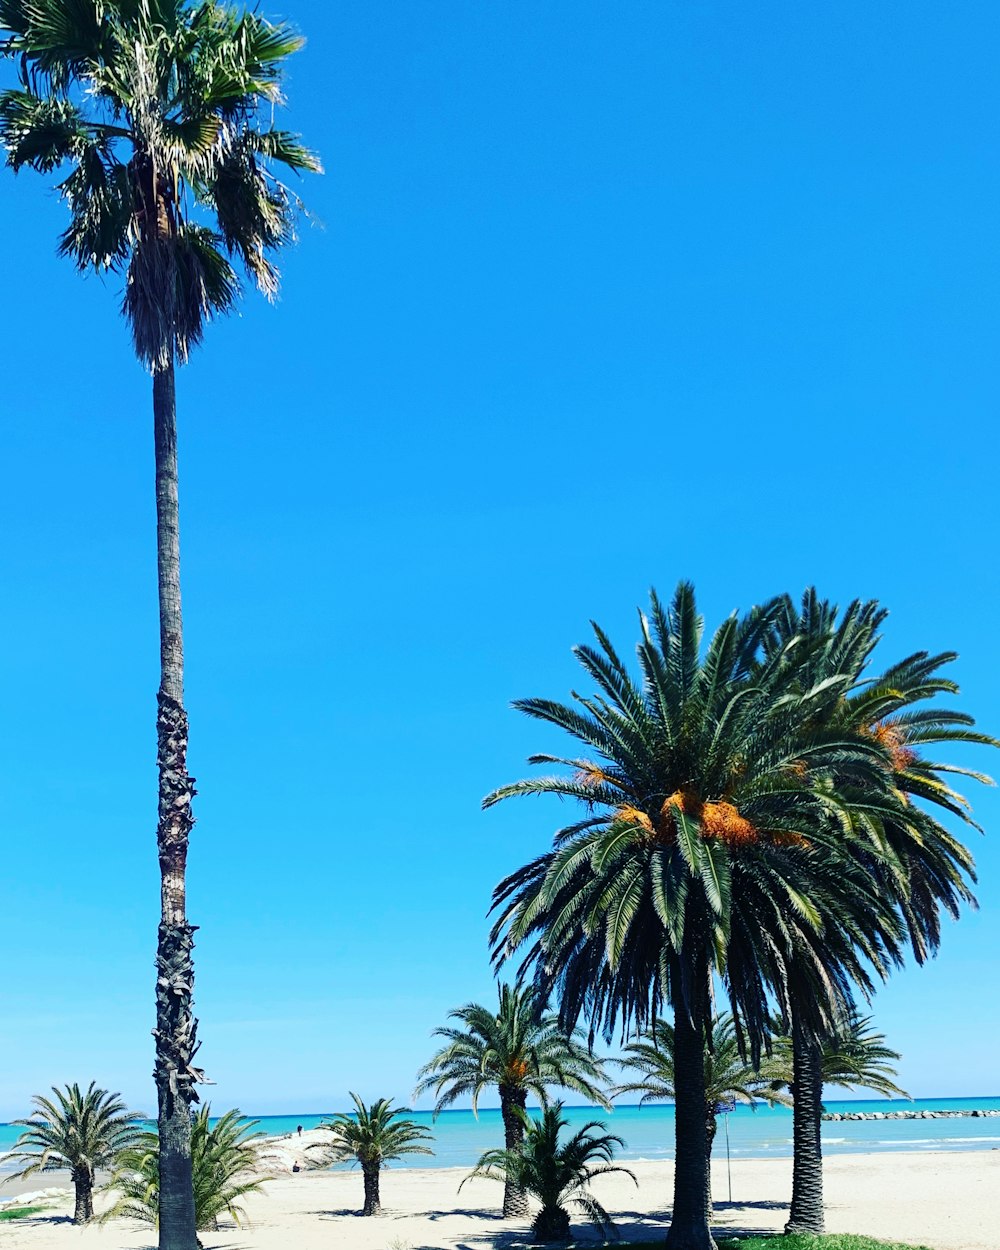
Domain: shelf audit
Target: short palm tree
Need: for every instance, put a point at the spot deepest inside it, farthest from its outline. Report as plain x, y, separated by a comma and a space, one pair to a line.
520, 1049
704, 839
82, 1131
729, 1077
227, 1165
371, 1136
556, 1173
158, 116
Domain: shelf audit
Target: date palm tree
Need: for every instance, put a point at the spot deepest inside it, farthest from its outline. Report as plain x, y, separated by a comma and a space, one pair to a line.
81, 1131
918, 865
554, 1172
227, 1162
371, 1136
157, 115
708, 837
520, 1049
729, 1077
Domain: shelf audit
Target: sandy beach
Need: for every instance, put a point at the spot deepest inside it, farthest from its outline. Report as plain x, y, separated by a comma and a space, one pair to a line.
944, 1200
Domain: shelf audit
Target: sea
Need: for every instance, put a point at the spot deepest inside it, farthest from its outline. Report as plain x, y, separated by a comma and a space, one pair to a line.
459, 1137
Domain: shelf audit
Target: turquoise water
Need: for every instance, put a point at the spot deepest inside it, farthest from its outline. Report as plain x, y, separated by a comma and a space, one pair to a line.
459, 1138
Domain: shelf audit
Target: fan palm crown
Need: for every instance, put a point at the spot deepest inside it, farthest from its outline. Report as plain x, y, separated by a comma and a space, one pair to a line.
158, 115
83, 1131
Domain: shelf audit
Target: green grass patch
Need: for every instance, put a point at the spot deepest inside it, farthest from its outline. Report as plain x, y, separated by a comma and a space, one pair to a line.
18, 1213
832, 1241
800, 1241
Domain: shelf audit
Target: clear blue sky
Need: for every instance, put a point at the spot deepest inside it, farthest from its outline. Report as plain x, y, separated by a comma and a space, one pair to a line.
596, 297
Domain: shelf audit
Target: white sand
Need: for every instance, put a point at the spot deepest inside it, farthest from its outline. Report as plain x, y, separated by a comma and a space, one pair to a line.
945, 1200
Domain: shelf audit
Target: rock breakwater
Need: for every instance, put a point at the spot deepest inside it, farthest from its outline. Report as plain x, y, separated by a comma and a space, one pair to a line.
973, 1113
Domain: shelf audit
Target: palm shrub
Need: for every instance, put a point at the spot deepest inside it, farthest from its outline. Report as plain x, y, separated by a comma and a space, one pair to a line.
705, 840
520, 1049
556, 1173
227, 1165
729, 1076
156, 116
892, 833
371, 1136
82, 1131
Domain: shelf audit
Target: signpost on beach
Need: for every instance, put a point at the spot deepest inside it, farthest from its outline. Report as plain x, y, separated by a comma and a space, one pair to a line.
724, 1108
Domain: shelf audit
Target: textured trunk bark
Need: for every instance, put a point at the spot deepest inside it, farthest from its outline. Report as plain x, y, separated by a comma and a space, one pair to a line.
551, 1224
176, 1028
512, 1101
83, 1184
689, 1221
373, 1200
806, 1214
711, 1124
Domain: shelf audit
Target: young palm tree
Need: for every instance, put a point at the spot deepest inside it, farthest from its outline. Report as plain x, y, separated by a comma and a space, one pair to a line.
521, 1049
729, 1077
227, 1162
918, 866
372, 1136
80, 1131
556, 1173
158, 116
704, 840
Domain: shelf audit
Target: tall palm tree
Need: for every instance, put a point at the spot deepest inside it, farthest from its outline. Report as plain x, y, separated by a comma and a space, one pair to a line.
158, 116
81, 1131
228, 1164
918, 865
521, 1049
554, 1172
372, 1136
729, 1076
704, 841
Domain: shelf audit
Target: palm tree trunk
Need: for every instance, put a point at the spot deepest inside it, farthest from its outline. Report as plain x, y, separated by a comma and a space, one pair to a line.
689, 1221
513, 1101
176, 1028
806, 1214
552, 1224
83, 1184
711, 1124
373, 1201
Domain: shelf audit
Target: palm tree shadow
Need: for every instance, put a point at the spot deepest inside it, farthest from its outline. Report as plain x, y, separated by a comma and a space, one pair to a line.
766, 1205
41, 1220
476, 1213
334, 1213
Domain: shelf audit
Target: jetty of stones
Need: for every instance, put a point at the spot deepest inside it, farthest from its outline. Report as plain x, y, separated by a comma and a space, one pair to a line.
911, 1115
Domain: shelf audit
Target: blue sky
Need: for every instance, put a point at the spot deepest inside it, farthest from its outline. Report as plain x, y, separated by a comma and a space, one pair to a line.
593, 297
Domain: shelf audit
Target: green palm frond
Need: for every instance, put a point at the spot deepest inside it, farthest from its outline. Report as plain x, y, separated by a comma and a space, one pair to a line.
728, 1075
228, 1164
374, 1134
556, 1172
161, 115
75, 1129
520, 1046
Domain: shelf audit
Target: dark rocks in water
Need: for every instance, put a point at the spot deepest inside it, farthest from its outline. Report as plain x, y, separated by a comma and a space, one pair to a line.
979, 1112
